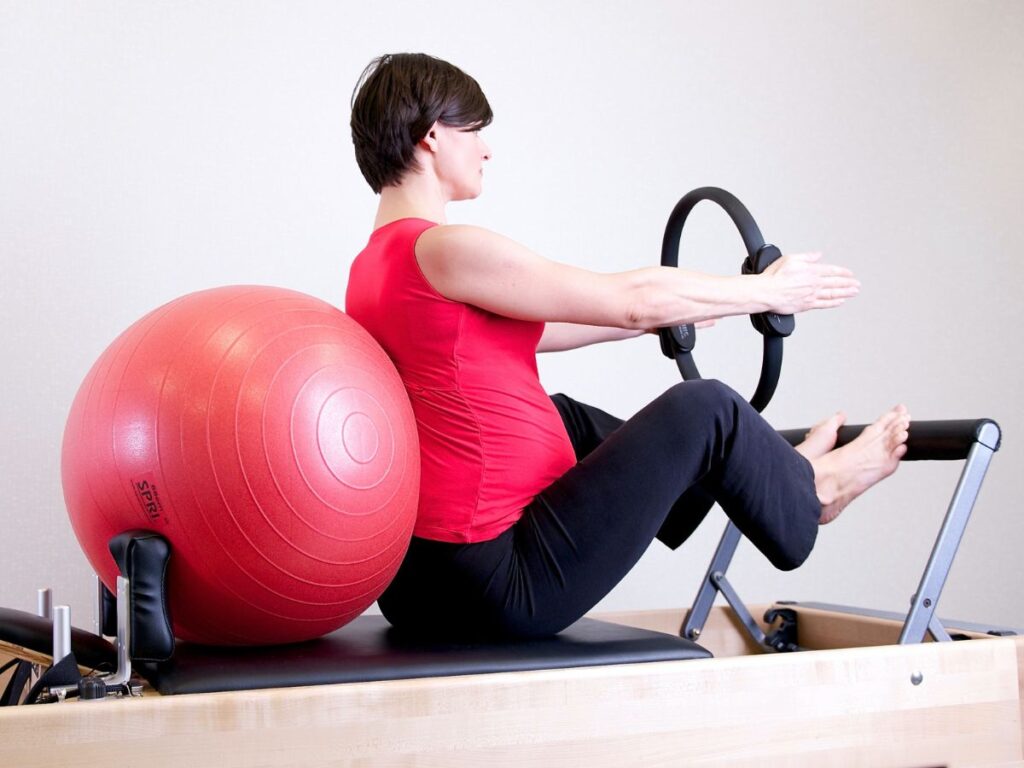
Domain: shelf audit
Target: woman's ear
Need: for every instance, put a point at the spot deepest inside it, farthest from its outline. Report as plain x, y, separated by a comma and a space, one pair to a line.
429, 142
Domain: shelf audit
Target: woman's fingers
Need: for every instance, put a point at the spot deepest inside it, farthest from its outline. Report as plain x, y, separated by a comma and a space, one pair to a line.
828, 303
806, 264
836, 271
812, 256
804, 283
838, 291
833, 270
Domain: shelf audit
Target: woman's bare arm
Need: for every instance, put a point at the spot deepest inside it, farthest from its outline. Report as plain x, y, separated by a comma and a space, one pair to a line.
559, 337
479, 267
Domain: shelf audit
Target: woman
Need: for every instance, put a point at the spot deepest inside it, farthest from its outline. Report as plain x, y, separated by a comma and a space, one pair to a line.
533, 507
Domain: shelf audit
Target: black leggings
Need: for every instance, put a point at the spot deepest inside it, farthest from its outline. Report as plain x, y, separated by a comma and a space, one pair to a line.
653, 475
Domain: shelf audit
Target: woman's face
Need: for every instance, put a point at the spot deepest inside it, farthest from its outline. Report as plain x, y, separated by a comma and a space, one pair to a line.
459, 162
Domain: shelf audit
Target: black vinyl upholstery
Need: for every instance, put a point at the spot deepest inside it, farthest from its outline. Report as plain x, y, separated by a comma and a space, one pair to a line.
369, 649
142, 557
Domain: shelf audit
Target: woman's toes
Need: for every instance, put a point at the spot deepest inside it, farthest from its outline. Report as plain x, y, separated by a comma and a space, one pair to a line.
869, 458
821, 438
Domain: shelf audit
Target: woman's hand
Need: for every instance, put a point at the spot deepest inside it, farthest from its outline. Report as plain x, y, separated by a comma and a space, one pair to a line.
799, 283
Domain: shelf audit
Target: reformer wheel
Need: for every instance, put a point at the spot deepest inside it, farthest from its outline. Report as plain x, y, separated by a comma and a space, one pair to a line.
677, 342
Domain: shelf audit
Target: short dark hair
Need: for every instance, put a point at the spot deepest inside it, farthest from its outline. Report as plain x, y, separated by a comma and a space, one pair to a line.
398, 97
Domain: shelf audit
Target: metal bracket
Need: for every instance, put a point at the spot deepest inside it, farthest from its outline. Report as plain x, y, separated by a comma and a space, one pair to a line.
117, 683
124, 664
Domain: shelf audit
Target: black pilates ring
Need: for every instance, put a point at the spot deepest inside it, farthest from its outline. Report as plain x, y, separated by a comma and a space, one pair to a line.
677, 341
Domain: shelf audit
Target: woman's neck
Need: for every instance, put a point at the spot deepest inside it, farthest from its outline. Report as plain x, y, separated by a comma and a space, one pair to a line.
415, 196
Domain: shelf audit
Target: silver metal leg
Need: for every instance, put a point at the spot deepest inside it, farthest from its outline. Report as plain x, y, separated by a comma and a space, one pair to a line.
709, 587
922, 612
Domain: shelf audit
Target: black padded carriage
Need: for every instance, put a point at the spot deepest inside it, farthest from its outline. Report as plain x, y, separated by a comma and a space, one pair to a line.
366, 649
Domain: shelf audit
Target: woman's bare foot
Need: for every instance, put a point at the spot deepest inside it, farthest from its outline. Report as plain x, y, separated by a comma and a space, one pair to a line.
842, 475
822, 437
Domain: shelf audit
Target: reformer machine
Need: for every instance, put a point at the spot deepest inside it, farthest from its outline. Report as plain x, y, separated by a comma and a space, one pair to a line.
383, 687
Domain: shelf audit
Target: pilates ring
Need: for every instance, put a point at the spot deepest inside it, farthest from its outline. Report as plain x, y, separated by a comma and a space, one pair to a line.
677, 342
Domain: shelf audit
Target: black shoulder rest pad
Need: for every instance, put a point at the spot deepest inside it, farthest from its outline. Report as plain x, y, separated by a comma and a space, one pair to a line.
34, 633
928, 440
142, 558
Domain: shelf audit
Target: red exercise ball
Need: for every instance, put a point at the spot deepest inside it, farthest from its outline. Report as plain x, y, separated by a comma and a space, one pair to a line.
269, 438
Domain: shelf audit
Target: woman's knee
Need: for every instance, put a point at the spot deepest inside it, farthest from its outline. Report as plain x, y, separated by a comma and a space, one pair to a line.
711, 390
703, 396
787, 534
790, 554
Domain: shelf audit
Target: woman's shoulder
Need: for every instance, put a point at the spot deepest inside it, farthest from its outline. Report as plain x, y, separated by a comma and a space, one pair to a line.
403, 224
453, 240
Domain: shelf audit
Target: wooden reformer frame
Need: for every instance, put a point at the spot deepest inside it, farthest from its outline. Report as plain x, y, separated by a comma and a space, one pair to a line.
876, 704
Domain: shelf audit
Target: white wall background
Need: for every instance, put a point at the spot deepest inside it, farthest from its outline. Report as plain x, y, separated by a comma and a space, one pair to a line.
149, 149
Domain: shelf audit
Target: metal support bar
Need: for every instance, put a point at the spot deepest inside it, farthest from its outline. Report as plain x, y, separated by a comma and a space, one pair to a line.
44, 603
919, 619
693, 625
938, 631
61, 632
44, 610
733, 598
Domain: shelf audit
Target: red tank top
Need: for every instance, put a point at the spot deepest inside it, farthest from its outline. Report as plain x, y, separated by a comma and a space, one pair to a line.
490, 437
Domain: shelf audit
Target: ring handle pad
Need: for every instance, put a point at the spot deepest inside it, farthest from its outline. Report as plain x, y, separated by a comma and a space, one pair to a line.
767, 323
